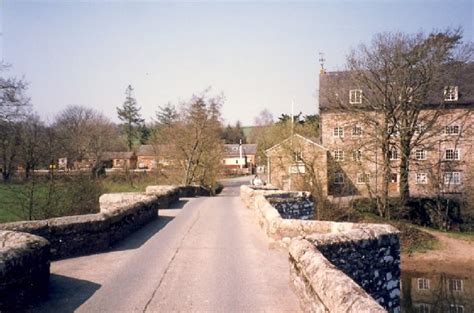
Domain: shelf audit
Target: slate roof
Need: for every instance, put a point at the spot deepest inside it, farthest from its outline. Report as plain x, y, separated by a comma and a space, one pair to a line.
340, 82
232, 150
146, 150
312, 141
116, 155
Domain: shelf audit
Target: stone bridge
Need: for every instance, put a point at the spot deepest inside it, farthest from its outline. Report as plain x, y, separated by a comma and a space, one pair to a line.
200, 254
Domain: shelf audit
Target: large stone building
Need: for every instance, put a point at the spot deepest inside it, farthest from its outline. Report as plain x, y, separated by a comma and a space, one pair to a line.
440, 163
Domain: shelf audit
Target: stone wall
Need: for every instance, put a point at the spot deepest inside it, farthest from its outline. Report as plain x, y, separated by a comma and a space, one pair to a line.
24, 268
297, 205
335, 267
370, 256
120, 214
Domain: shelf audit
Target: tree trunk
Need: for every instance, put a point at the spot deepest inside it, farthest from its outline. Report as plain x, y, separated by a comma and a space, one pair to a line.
386, 178
404, 172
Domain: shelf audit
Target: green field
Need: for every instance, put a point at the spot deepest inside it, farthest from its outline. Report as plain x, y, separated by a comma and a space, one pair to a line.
65, 196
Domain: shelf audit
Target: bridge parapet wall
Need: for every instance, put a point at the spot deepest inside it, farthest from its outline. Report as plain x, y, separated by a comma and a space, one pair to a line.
24, 267
120, 214
335, 267
27, 247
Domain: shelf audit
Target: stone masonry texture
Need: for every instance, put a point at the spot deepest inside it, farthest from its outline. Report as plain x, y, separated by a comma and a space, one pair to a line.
27, 247
334, 267
24, 268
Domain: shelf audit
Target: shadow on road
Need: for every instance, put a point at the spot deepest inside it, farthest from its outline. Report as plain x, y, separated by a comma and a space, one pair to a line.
65, 293
138, 238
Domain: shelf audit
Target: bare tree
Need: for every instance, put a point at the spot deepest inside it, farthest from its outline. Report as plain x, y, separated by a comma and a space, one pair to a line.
85, 134
192, 139
13, 103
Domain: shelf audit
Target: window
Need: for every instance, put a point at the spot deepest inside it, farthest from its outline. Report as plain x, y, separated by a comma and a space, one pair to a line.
338, 132
355, 96
420, 154
456, 308
393, 154
392, 130
452, 178
455, 284
452, 130
339, 155
422, 307
393, 177
422, 178
423, 284
451, 154
297, 169
451, 93
338, 178
363, 178
298, 156
356, 155
419, 128
356, 131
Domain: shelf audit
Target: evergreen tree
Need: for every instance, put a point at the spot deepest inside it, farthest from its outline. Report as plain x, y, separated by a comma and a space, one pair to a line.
130, 115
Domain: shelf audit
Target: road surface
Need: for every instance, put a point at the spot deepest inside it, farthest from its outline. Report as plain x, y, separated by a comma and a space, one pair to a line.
204, 254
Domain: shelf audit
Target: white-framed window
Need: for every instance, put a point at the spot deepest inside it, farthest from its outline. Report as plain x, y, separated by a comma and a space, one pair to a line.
456, 308
420, 154
338, 131
393, 154
423, 284
363, 178
422, 178
338, 155
392, 130
339, 178
355, 96
297, 168
452, 178
455, 284
422, 307
357, 155
356, 131
451, 93
451, 154
419, 128
452, 129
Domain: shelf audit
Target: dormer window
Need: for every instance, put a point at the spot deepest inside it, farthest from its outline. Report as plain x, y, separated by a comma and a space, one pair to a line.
451, 93
355, 96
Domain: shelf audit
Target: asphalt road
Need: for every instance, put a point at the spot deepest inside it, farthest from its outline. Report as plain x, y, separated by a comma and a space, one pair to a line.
204, 254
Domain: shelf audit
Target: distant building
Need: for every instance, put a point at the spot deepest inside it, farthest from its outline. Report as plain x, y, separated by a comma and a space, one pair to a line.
240, 158
296, 162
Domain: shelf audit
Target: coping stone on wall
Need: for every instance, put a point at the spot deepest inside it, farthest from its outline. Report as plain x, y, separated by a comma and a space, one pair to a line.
24, 268
314, 277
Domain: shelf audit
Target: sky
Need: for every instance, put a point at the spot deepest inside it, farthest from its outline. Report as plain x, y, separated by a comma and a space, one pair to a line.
259, 54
